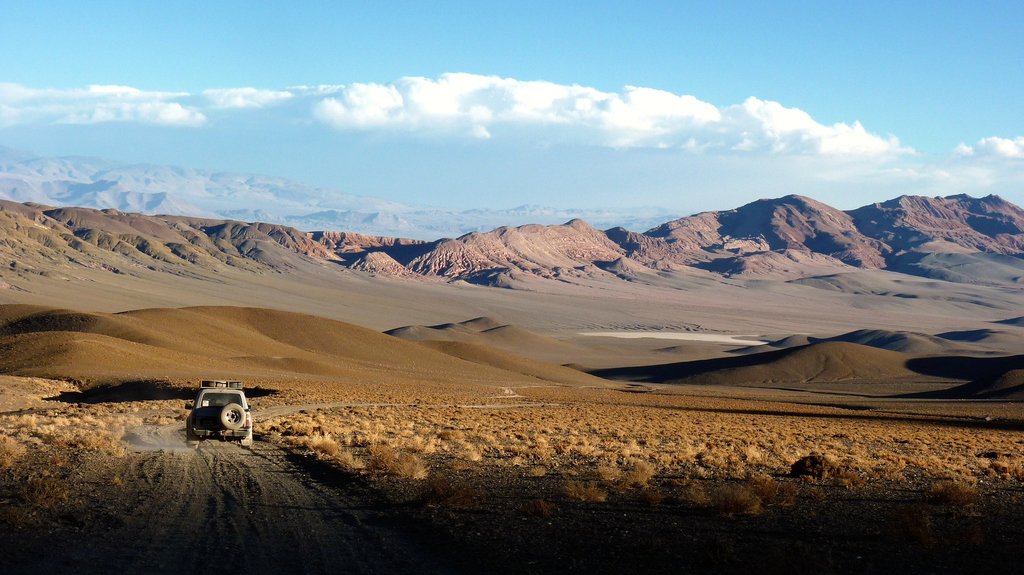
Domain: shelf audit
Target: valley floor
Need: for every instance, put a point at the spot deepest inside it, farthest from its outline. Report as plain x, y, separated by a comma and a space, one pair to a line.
542, 479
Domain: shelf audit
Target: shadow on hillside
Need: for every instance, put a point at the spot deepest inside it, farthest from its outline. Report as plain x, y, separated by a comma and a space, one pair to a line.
142, 390
857, 414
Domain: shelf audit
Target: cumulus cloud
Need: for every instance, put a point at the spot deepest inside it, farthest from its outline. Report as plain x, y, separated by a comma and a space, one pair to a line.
94, 104
485, 107
635, 117
994, 147
245, 97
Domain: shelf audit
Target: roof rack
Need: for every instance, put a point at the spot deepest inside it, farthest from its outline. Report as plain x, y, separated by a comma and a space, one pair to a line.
221, 383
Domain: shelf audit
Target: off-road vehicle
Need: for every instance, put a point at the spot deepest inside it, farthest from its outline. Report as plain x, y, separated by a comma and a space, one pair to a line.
219, 411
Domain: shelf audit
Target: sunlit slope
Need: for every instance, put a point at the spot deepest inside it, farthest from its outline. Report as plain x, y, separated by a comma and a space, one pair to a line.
222, 341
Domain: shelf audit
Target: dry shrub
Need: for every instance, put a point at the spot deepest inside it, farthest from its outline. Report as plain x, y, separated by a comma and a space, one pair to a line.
786, 494
913, 524
10, 451
537, 471
580, 491
772, 491
735, 500
386, 460
298, 428
324, 446
608, 472
764, 487
694, 493
637, 474
848, 478
44, 492
652, 497
538, 508
949, 492
348, 461
471, 453
438, 492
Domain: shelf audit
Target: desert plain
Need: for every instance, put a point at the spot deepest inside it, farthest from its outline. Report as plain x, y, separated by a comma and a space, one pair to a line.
753, 409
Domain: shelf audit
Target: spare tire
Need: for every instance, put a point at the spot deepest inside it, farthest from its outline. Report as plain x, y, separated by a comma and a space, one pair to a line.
232, 416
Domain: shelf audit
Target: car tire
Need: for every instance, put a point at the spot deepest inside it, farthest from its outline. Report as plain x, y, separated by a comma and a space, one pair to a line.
232, 416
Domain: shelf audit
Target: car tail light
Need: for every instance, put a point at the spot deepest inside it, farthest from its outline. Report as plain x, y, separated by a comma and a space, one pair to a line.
248, 420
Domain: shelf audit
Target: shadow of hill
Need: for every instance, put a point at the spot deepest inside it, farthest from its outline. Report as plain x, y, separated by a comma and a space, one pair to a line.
145, 390
816, 362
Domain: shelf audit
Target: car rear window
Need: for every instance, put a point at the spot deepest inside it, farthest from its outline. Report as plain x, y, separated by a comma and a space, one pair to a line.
217, 399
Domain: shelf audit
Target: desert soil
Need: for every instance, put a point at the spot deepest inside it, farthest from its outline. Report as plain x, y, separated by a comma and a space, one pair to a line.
169, 508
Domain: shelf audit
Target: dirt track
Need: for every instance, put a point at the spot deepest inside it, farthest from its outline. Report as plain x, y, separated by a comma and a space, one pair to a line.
235, 510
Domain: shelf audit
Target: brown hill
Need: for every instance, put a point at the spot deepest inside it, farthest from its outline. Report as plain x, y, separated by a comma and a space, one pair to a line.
819, 362
175, 344
573, 248
490, 333
953, 224
993, 378
960, 239
543, 372
788, 223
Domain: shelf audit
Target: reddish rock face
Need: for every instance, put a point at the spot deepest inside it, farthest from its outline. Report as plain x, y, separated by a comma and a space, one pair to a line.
946, 225
786, 237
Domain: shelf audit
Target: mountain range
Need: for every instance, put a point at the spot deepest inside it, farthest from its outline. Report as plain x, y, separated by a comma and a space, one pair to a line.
153, 189
958, 238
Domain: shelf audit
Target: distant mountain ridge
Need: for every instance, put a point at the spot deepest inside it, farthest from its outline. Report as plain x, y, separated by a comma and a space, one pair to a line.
151, 189
959, 238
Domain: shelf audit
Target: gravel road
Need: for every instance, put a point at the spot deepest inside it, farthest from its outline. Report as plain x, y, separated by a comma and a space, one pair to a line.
222, 508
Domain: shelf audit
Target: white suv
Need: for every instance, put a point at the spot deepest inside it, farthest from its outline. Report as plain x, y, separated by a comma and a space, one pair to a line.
220, 410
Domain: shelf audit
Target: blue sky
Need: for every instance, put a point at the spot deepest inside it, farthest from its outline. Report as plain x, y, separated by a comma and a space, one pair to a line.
686, 105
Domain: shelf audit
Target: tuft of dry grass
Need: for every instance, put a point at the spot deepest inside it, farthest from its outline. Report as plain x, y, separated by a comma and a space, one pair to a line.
438, 492
950, 492
637, 474
652, 497
538, 508
44, 492
11, 451
608, 472
324, 446
914, 524
580, 491
386, 460
848, 478
733, 499
694, 494
537, 471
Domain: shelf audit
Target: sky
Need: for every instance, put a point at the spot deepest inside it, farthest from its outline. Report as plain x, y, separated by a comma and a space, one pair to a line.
681, 105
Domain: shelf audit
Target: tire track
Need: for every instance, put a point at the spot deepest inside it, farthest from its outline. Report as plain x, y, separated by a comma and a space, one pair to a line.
221, 507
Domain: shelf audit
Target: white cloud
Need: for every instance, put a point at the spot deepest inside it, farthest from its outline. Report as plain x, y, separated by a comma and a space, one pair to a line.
636, 117
490, 107
245, 97
94, 104
994, 147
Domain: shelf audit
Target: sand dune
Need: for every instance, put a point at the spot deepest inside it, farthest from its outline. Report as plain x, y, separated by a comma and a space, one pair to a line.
492, 333
820, 362
545, 372
176, 344
903, 341
998, 338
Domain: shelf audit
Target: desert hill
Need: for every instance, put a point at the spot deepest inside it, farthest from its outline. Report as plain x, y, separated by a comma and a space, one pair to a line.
959, 239
818, 362
545, 373
490, 333
788, 223
174, 344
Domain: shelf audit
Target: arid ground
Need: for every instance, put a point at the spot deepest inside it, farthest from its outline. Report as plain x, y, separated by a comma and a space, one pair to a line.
439, 448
